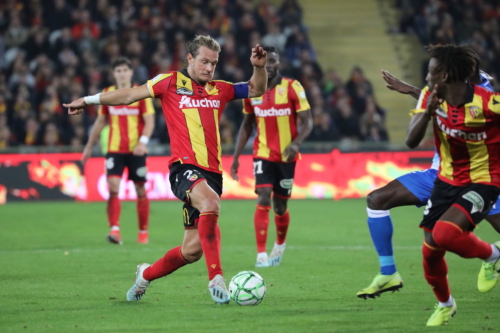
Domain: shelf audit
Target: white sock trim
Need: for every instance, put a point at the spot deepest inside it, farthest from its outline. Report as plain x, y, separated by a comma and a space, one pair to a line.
280, 247
115, 228
143, 231
495, 254
377, 213
447, 303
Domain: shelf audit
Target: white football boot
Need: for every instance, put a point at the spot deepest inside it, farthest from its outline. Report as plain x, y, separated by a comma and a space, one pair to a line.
276, 254
218, 290
262, 260
139, 288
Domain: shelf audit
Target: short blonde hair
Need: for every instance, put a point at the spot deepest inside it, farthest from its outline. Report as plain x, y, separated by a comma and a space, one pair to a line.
194, 44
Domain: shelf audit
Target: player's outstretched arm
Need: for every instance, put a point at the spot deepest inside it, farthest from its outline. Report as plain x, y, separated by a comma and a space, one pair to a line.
307, 125
115, 97
419, 122
243, 135
258, 81
99, 124
402, 87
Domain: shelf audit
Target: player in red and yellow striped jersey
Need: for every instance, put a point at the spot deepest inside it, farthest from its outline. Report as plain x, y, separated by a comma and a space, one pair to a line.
466, 120
130, 128
275, 151
192, 103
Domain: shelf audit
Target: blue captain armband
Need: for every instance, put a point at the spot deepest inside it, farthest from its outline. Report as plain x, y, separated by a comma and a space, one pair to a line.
241, 90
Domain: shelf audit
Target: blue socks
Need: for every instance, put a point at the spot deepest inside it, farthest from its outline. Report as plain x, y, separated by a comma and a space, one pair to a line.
380, 225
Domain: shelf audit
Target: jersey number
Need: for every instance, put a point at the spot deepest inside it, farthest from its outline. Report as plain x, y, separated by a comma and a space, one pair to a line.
428, 207
257, 168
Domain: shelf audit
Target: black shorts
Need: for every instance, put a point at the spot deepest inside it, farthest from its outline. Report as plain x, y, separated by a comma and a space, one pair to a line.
136, 165
279, 176
183, 177
474, 200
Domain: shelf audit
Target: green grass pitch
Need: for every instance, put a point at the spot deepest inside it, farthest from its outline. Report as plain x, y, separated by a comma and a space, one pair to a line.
59, 275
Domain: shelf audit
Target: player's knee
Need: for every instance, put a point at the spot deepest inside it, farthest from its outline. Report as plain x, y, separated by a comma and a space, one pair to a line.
211, 204
264, 196
280, 208
140, 189
192, 253
444, 232
375, 200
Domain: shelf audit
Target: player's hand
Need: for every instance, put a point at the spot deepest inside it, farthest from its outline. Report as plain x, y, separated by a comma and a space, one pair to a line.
234, 169
395, 84
259, 56
291, 151
86, 154
140, 149
433, 102
75, 107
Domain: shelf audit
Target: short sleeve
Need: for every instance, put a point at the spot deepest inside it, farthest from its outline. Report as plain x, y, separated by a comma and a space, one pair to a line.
158, 85
298, 97
422, 101
247, 106
147, 106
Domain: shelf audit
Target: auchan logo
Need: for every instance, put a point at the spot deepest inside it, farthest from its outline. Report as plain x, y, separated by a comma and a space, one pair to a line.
272, 112
188, 102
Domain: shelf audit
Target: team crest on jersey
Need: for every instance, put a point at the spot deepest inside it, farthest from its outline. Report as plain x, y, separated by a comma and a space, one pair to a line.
474, 111
281, 91
184, 91
256, 101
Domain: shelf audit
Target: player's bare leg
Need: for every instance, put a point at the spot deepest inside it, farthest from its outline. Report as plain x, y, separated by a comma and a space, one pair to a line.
282, 221
205, 199
494, 220
142, 212
261, 223
379, 202
113, 210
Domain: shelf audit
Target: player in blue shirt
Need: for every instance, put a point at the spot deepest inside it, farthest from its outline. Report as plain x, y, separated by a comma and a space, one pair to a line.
411, 189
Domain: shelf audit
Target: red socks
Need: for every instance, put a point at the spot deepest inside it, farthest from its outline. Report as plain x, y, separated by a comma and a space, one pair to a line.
143, 212
452, 238
170, 262
261, 224
435, 271
282, 223
113, 209
209, 233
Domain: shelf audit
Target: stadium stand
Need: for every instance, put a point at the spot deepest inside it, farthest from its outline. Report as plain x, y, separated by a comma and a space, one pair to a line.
57, 50
459, 22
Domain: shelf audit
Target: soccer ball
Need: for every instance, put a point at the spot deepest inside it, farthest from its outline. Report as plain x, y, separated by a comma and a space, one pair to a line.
247, 288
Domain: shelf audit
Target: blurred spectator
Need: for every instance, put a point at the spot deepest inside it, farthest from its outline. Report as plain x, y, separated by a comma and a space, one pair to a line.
6, 138
58, 50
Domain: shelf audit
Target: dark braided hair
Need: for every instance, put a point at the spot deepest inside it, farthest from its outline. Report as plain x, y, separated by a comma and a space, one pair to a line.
457, 61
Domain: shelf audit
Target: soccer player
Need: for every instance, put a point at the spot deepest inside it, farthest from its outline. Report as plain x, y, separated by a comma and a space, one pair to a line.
465, 119
131, 127
411, 189
192, 103
275, 152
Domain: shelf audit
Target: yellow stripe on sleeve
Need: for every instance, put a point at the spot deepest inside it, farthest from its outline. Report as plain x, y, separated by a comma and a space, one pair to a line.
301, 95
158, 78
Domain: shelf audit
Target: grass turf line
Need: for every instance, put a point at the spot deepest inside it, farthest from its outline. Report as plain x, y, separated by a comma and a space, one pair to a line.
58, 274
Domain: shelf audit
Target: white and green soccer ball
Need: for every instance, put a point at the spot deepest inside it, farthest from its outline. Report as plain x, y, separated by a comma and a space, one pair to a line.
247, 288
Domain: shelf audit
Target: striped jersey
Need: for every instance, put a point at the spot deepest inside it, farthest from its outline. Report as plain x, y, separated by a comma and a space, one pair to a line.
276, 117
192, 113
467, 137
485, 83
126, 123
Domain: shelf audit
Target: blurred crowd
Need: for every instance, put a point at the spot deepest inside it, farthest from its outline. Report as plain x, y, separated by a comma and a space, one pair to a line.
54, 51
475, 22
